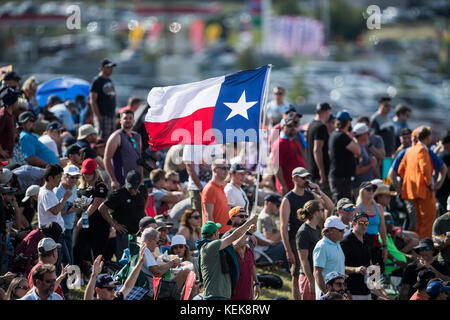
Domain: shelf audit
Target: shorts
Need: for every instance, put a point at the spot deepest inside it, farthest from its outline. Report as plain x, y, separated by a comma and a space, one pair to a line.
294, 268
305, 292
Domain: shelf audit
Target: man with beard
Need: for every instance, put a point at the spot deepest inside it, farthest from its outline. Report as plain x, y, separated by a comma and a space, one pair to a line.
335, 282
123, 150
44, 281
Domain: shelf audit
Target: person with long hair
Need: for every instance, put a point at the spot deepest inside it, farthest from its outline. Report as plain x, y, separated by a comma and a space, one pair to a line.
190, 225
94, 238
375, 211
17, 288
307, 237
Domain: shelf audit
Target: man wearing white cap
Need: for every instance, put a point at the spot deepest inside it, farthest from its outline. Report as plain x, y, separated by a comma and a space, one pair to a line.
366, 164
328, 255
68, 212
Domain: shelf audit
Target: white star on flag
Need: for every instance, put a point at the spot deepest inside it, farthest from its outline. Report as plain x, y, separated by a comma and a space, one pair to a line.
240, 107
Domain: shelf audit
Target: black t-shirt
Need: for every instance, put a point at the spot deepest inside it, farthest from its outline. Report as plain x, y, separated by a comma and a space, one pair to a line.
106, 95
443, 193
307, 239
411, 272
296, 202
128, 209
342, 161
99, 190
317, 131
357, 254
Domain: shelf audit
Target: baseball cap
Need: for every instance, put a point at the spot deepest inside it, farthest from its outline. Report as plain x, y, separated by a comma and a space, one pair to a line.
237, 167
3, 163
132, 180
300, 171
178, 239
423, 243
54, 99
334, 275
68, 141
55, 125
73, 149
12, 75
52, 230
7, 175
334, 222
85, 130
435, 288
360, 215
47, 245
88, 166
161, 224
344, 203
25, 116
360, 128
422, 279
209, 227
108, 63
331, 118
275, 198
324, 106
377, 182
31, 191
105, 280
234, 211
72, 170
148, 183
145, 221
343, 116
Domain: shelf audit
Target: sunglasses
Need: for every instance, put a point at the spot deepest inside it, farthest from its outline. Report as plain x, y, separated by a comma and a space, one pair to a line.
370, 189
134, 142
427, 248
178, 246
242, 216
389, 221
278, 93
24, 288
196, 217
224, 168
338, 230
74, 177
349, 209
363, 223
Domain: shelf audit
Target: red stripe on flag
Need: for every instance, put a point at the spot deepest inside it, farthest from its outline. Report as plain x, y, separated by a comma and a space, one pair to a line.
186, 130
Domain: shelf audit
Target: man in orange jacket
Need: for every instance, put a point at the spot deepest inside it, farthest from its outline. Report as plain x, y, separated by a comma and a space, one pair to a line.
416, 171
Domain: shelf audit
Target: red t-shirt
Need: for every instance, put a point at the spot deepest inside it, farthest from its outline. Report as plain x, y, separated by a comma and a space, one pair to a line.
244, 286
287, 155
30, 280
213, 193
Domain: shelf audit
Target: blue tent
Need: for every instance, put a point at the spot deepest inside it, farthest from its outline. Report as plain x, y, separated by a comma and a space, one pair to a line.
65, 88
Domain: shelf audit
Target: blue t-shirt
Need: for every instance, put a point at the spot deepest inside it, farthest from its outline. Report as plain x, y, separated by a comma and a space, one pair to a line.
329, 256
69, 218
437, 162
83, 115
31, 146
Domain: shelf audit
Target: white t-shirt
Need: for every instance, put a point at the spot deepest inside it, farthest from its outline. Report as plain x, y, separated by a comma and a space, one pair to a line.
200, 155
46, 200
236, 197
32, 295
149, 261
49, 143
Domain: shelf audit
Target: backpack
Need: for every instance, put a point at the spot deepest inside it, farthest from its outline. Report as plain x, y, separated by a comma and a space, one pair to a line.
270, 280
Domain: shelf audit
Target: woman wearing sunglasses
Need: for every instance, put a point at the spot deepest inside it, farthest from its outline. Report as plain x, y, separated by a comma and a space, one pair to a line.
17, 288
367, 204
190, 225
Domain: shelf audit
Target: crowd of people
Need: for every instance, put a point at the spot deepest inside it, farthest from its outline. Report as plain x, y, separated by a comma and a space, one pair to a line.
346, 206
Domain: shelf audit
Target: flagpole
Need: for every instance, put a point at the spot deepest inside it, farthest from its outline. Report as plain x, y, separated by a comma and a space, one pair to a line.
263, 112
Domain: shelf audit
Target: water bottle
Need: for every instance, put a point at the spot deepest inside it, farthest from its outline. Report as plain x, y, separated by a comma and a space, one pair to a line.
85, 220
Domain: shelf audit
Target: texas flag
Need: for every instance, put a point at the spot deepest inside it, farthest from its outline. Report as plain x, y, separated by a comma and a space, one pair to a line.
217, 110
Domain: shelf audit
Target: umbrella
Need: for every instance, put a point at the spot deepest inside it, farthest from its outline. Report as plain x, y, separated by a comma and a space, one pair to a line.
65, 88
